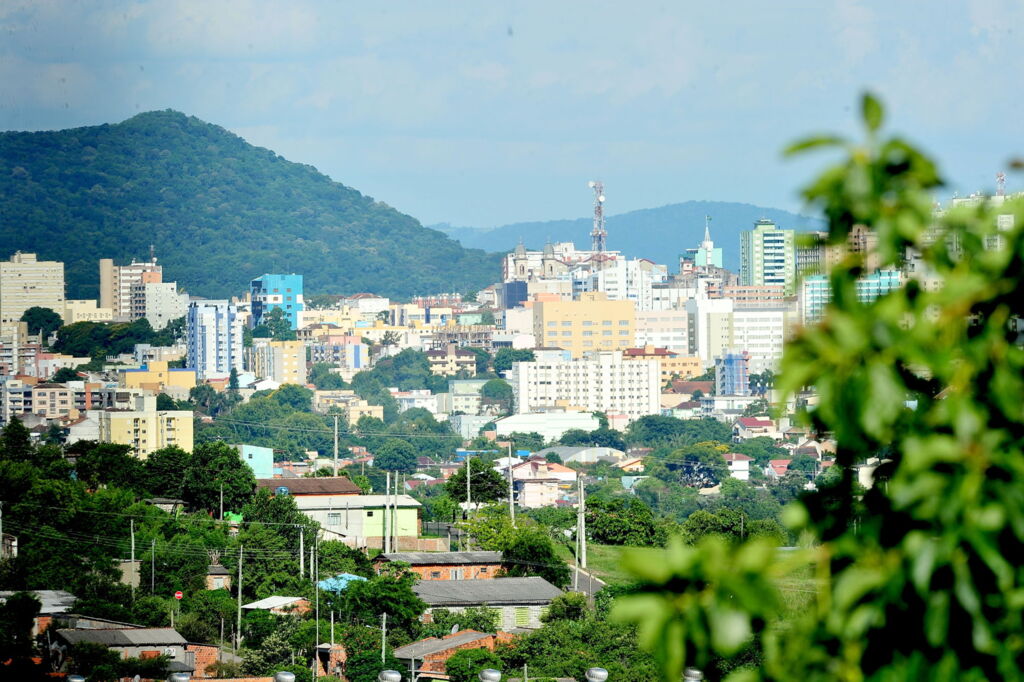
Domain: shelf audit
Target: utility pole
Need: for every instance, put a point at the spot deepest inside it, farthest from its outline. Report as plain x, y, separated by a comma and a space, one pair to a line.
238, 627
135, 572
469, 460
335, 445
383, 634
222, 500
511, 490
385, 537
582, 532
314, 570
152, 567
302, 554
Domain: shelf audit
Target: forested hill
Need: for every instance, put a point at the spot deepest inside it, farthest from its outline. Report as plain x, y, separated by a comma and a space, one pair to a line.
218, 210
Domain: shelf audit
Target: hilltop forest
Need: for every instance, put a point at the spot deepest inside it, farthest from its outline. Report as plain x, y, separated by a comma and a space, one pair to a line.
218, 210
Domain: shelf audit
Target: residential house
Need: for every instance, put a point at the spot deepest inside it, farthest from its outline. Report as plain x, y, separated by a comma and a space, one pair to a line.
584, 454
688, 388
218, 578
520, 602
777, 468
632, 465
451, 361
135, 642
739, 465
446, 565
428, 657
52, 603
746, 428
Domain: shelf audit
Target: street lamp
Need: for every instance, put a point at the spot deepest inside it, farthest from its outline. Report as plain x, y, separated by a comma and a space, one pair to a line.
596, 674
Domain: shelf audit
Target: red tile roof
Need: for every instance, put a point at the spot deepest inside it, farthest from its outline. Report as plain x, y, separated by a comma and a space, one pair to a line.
736, 457
755, 422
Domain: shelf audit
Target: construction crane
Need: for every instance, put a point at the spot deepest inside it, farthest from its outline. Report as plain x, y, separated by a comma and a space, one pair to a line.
599, 234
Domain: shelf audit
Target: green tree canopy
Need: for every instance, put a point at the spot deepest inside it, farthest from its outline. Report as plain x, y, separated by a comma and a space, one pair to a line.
213, 467
43, 321
485, 484
395, 454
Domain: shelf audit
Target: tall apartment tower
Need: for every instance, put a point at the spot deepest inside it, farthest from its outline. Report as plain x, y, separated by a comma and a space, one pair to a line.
214, 333
768, 257
283, 292
123, 287
27, 282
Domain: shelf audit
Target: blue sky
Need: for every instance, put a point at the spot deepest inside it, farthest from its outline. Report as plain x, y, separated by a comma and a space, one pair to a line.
487, 113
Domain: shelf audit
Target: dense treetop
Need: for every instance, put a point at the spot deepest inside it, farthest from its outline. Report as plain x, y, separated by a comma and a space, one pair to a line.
218, 210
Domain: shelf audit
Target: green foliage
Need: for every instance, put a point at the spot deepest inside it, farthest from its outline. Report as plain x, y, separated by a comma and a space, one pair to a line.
479, 618
485, 484
483, 358
465, 665
395, 455
602, 437
654, 430
621, 521
64, 375
530, 551
17, 617
917, 577
42, 321
168, 179
757, 408
499, 391
504, 358
215, 467
109, 463
569, 606
100, 339
321, 376
336, 557
532, 441
361, 603
163, 472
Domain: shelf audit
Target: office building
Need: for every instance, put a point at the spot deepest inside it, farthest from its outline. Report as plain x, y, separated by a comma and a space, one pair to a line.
768, 257
589, 324
27, 282
277, 292
602, 381
145, 428
214, 339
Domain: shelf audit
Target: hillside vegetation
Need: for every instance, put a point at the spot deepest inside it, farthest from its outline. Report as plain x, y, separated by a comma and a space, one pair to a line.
218, 210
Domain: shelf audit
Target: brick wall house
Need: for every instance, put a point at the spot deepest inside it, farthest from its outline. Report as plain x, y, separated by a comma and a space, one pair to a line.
446, 565
431, 655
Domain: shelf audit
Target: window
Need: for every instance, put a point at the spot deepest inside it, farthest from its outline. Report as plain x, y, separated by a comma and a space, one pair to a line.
623, 323
522, 616
333, 519
606, 323
369, 514
435, 575
483, 569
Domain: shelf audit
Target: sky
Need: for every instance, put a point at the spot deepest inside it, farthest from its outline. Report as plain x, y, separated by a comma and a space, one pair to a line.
482, 114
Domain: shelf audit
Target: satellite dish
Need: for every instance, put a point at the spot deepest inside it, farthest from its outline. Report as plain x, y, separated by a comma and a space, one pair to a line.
455, 628
601, 198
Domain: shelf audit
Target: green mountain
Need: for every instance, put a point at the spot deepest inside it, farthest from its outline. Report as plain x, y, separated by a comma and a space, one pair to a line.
218, 210
660, 234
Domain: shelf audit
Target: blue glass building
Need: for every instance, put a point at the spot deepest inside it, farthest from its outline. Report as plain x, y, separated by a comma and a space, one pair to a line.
282, 292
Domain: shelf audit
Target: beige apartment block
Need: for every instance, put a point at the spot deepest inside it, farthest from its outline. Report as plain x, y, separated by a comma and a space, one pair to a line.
592, 323
27, 282
281, 361
122, 287
85, 310
145, 428
673, 365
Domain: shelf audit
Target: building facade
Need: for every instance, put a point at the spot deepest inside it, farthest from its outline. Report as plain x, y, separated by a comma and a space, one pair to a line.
145, 428
768, 256
592, 323
281, 361
122, 287
214, 339
27, 282
277, 292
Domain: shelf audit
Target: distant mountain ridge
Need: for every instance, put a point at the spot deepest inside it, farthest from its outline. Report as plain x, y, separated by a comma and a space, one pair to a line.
660, 234
218, 210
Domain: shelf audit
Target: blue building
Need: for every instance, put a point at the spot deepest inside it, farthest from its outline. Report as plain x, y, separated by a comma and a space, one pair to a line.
259, 459
732, 374
282, 292
816, 291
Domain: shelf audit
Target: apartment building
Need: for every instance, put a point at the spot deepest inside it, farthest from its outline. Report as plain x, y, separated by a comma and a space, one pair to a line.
161, 303
277, 292
145, 428
673, 365
622, 280
664, 329
768, 256
816, 292
27, 282
214, 339
602, 381
85, 310
283, 362
590, 324
157, 377
122, 287
451, 361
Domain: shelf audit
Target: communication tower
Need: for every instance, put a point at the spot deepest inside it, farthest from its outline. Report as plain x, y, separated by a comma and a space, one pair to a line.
599, 234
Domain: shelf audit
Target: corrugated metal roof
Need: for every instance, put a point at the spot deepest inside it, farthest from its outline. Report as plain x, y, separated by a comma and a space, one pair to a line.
123, 638
52, 601
272, 603
443, 558
532, 590
311, 486
432, 645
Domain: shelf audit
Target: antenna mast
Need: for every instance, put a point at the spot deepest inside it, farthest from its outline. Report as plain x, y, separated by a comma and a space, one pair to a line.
1001, 184
599, 234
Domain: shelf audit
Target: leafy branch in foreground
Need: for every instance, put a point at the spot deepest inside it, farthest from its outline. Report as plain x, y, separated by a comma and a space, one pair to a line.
919, 577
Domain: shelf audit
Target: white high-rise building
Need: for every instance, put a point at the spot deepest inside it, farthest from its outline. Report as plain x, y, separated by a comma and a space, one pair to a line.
664, 329
710, 327
768, 256
761, 332
601, 381
122, 287
27, 282
214, 332
622, 280
163, 303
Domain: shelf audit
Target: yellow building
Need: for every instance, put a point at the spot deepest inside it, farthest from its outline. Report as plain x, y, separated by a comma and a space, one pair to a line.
157, 377
360, 408
145, 428
673, 365
27, 282
591, 323
85, 310
283, 362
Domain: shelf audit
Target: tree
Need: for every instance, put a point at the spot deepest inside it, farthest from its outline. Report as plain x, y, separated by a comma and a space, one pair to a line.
621, 521
278, 325
532, 441
233, 380
110, 463
465, 665
483, 359
504, 358
486, 484
913, 583
569, 606
42, 321
395, 454
699, 466
17, 617
531, 552
321, 376
363, 602
64, 375
164, 471
213, 467
294, 396
479, 618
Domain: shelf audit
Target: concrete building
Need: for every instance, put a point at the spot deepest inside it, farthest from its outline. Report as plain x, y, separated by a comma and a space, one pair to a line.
551, 425
27, 282
277, 292
761, 333
622, 280
673, 365
603, 382
157, 377
445, 565
768, 256
710, 327
122, 287
589, 324
283, 362
162, 302
664, 329
732, 374
707, 255
259, 459
520, 602
214, 339
451, 361
145, 428
816, 292
85, 310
